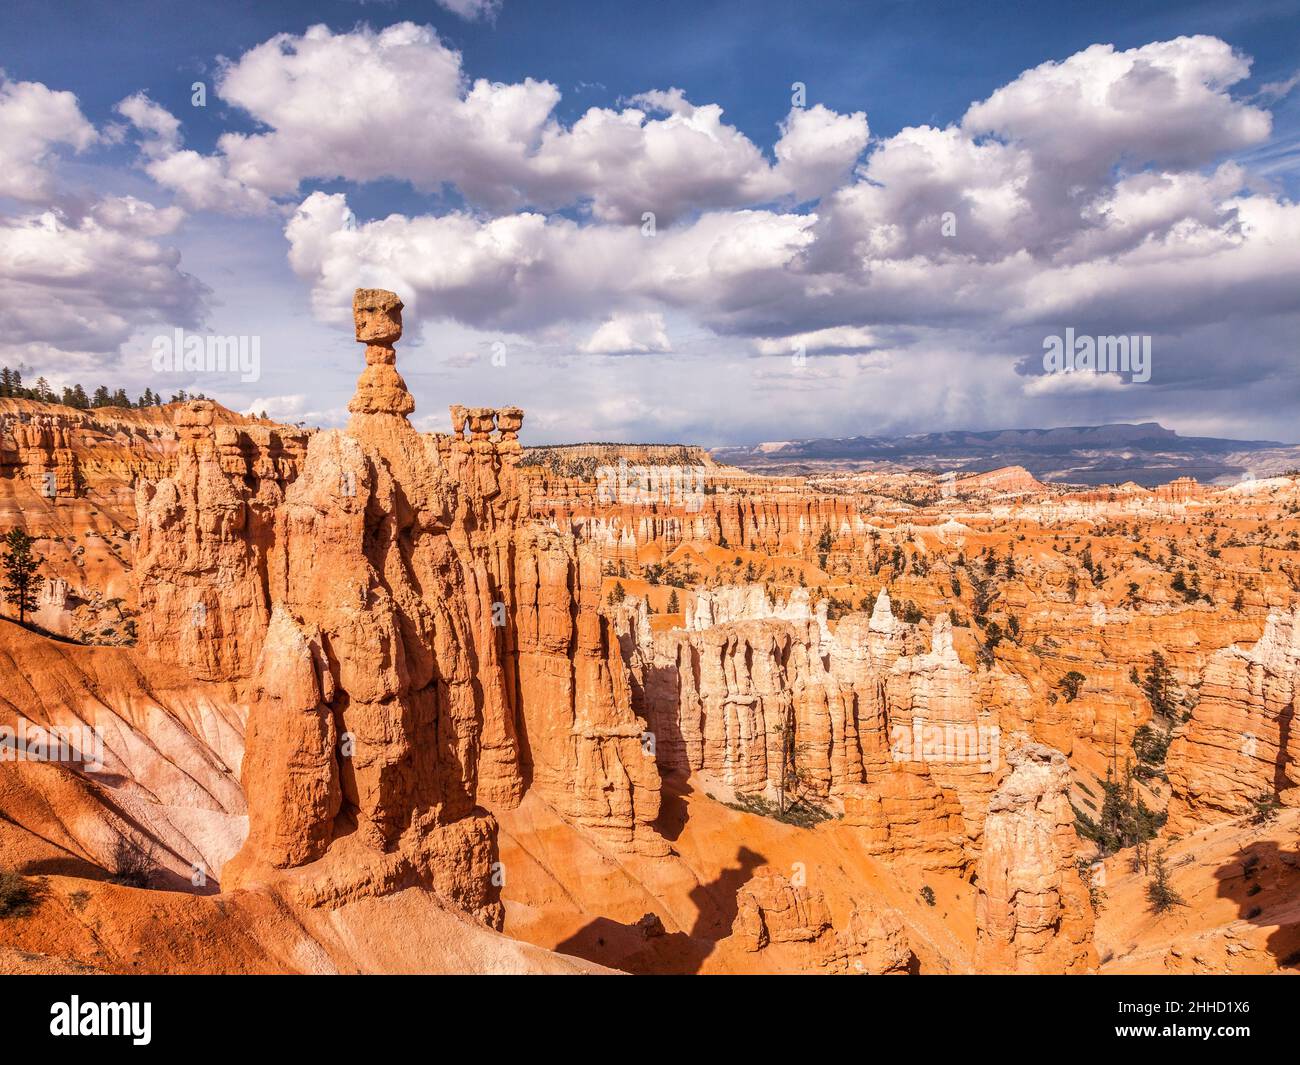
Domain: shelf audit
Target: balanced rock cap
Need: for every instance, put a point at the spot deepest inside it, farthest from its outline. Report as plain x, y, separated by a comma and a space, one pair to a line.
377, 314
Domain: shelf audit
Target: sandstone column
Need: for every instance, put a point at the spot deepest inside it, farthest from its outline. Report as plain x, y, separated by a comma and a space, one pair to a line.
1032, 914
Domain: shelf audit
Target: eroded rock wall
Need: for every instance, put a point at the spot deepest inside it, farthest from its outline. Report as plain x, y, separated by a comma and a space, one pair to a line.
1241, 745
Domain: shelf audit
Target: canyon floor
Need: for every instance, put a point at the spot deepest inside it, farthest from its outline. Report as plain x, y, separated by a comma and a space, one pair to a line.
370, 700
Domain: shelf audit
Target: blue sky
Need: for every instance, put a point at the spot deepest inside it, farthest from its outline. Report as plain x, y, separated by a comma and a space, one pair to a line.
908, 62
1148, 188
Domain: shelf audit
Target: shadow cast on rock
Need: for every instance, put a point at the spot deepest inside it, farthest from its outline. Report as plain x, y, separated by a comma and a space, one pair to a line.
1264, 883
645, 948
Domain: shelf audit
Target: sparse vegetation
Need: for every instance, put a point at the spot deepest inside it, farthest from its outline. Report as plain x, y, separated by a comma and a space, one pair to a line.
1071, 684
1150, 746
18, 896
1160, 892
909, 612
1159, 687
1125, 819
134, 864
11, 387
1096, 897
992, 637
1266, 807
800, 813
824, 543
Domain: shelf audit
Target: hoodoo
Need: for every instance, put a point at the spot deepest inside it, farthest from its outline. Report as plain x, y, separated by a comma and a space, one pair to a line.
412, 654
1032, 914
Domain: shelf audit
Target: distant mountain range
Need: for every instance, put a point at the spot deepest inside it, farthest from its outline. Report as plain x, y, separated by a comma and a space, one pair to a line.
1146, 453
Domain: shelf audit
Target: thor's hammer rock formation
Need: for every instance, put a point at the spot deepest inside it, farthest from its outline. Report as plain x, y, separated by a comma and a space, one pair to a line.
413, 653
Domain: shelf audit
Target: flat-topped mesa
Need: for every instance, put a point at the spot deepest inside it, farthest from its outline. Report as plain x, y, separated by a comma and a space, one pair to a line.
377, 314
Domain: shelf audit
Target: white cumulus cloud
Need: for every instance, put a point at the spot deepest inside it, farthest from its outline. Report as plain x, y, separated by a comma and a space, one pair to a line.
629, 334
396, 103
34, 120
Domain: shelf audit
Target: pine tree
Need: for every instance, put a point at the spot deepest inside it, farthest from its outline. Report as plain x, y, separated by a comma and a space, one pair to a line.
1109, 830
824, 543
1125, 819
1160, 892
1159, 686
673, 604
21, 581
1071, 683
787, 757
